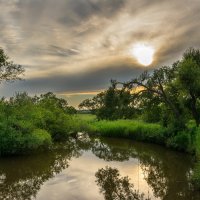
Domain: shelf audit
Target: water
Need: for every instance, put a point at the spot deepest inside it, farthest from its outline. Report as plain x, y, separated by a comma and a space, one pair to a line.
92, 168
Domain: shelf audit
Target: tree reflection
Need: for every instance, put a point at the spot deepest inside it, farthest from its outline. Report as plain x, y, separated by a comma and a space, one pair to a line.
114, 187
112, 151
22, 177
156, 178
167, 173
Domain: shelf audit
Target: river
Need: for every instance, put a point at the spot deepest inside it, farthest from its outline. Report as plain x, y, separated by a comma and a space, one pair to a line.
96, 169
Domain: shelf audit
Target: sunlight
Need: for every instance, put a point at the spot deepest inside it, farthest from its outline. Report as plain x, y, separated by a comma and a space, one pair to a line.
143, 53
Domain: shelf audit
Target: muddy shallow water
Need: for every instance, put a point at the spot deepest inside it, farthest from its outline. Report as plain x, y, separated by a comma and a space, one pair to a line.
94, 168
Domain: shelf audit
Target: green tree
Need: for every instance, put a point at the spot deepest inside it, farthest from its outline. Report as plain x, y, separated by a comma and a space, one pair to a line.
150, 106
160, 85
93, 104
189, 81
107, 111
8, 70
113, 103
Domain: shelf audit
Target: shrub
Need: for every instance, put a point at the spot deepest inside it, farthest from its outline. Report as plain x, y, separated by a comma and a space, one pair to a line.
38, 139
15, 142
28, 123
181, 141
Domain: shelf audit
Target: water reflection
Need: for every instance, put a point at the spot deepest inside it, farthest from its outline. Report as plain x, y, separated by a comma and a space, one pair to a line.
109, 151
22, 177
115, 187
166, 173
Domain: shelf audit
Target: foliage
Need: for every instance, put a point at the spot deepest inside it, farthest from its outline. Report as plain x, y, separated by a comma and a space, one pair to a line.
93, 104
189, 81
30, 123
181, 141
8, 70
161, 92
112, 104
16, 142
150, 107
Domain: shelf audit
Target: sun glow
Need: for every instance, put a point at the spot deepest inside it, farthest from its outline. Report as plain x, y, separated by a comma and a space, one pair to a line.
143, 53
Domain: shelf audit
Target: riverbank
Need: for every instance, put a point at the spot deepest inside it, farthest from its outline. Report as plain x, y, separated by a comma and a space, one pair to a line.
147, 132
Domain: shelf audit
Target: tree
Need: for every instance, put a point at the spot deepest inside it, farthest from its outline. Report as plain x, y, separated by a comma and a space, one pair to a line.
160, 84
49, 100
93, 104
110, 104
8, 70
150, 106
71, 110
113, 103
189, 81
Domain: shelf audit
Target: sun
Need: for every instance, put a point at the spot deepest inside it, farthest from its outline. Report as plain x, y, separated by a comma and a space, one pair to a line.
143, 53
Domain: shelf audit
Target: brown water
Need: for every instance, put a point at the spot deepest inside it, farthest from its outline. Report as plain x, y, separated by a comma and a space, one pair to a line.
73, 170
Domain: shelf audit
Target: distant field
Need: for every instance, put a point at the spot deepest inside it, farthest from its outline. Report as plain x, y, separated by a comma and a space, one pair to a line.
86, 117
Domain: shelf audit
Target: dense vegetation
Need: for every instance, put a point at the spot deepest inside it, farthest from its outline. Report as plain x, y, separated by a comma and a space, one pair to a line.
29, 123
166, 102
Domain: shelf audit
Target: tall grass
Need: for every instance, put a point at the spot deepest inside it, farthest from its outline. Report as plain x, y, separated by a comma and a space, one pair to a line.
136, 130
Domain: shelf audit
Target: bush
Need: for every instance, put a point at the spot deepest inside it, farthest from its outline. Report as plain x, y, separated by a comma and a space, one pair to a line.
181, 141
28, 123
15, 142
38, 139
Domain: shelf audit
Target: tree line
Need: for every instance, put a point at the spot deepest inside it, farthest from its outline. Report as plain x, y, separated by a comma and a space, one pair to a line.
169, 94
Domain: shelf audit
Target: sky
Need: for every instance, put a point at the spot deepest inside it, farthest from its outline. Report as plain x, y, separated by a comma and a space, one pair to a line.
75, 47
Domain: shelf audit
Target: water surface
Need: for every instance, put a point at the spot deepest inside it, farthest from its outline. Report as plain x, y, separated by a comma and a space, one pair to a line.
94, 168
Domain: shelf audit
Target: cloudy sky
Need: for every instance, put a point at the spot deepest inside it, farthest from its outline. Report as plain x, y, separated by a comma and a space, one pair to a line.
74, 47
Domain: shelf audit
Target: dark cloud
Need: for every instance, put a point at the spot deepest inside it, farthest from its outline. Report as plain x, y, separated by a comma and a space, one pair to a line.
97, 79
84, 9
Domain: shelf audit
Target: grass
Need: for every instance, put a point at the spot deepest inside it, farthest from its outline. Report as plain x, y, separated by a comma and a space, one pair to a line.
140, 131
132, 129
86, 117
